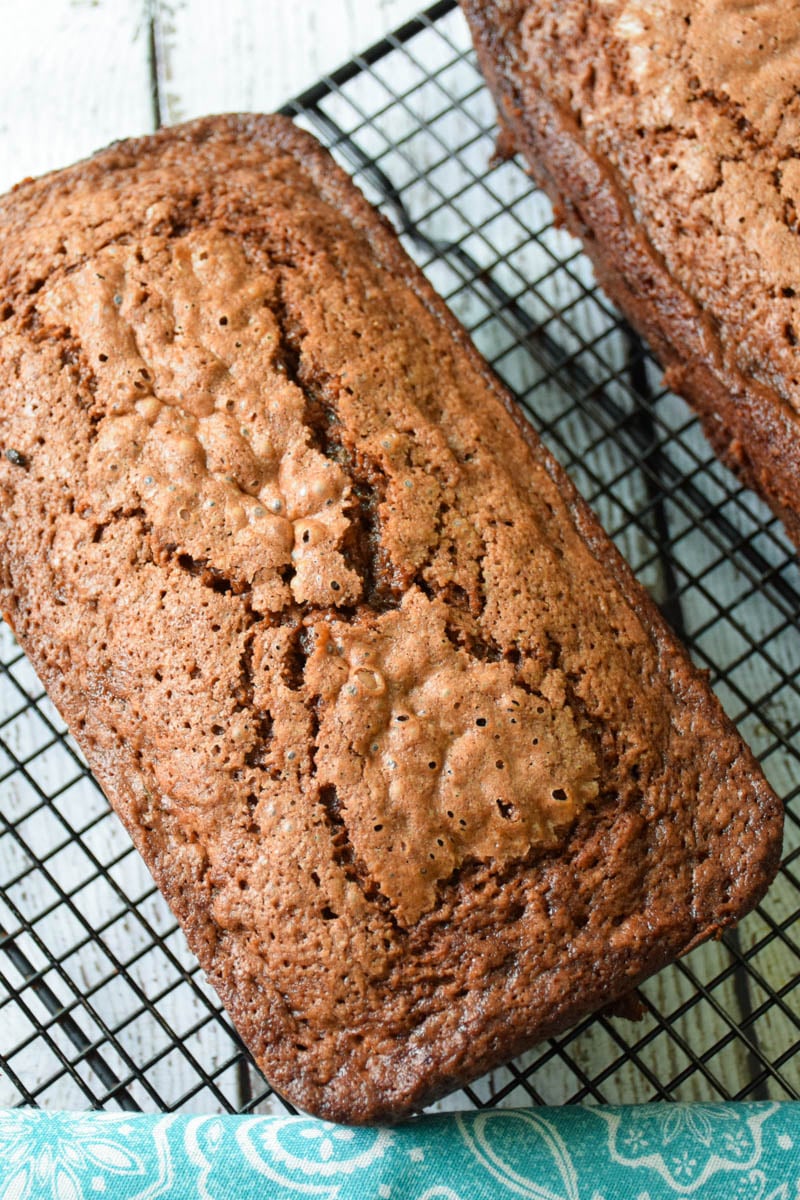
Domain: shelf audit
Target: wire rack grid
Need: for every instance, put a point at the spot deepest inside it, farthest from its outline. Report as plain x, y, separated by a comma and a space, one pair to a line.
101, 1003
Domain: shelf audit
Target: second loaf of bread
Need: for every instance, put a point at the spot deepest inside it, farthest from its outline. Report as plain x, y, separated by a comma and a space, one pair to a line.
666, 134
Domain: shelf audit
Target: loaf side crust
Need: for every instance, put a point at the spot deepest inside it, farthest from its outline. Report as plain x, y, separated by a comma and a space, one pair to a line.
221, 703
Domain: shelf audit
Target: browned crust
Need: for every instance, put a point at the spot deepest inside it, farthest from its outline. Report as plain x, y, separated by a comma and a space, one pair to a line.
477, 1033
750, 427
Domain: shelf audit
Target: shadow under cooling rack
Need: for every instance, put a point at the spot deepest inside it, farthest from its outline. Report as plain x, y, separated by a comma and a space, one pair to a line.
101, 1004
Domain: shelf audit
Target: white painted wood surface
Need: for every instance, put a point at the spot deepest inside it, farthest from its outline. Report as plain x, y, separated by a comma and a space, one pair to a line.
74, 75
77, 74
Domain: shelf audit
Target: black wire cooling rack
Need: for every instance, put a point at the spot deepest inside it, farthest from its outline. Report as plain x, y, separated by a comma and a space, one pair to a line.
101, 1003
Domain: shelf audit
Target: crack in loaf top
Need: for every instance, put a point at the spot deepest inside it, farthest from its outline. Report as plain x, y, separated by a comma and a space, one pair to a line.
696, 104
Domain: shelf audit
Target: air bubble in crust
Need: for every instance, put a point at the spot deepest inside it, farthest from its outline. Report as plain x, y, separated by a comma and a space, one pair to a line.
370, 681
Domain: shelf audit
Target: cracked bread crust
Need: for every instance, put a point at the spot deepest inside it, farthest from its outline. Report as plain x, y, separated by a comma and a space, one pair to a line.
665, 135
414, 759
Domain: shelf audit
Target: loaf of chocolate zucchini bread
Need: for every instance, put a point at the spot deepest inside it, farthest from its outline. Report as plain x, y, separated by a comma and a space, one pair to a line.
414, 759
666, 135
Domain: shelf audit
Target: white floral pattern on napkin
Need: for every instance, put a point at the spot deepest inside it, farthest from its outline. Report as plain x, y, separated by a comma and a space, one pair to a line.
645, 1152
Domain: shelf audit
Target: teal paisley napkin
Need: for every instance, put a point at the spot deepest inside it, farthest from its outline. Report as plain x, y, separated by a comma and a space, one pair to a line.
647, 1152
